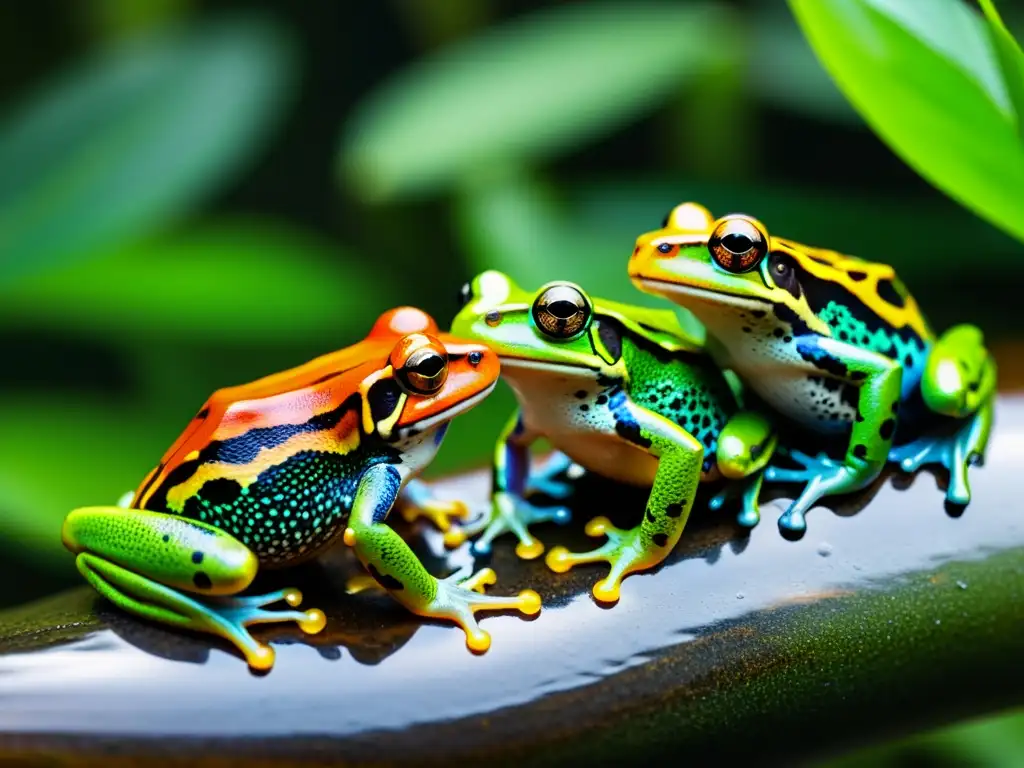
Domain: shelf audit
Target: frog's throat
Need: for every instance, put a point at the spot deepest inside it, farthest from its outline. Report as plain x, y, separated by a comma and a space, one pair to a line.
448, 413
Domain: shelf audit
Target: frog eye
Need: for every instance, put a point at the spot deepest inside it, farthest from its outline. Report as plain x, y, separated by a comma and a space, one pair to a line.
561, 311
424, 369
737, 244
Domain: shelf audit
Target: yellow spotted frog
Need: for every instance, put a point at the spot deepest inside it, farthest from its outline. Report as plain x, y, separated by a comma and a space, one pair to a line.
835, 343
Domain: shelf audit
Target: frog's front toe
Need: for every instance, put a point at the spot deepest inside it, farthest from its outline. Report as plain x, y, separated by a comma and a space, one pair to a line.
459, 598
509, 514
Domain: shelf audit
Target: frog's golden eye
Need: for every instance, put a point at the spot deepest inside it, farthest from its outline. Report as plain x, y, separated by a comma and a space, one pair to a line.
738, 244
561, 311
420, 363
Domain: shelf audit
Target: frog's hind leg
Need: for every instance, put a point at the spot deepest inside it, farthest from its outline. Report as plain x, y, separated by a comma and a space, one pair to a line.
959, 381
956, 452
144, 562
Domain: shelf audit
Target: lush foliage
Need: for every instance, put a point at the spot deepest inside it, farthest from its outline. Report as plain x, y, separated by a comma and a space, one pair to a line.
190, 200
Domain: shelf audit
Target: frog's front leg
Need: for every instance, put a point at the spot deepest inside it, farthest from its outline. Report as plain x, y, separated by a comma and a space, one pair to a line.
745, 447
396, 568
680, 457
959, 381
145, 561
509, 511
878, 380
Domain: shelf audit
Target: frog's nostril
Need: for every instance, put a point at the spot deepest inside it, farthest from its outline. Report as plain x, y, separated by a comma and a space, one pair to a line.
475, 358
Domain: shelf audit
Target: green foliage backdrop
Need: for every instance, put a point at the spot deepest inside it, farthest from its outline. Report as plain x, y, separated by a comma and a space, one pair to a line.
194, 194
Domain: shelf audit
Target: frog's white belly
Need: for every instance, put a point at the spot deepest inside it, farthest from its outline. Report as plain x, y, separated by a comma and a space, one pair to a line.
580, 427
799, 393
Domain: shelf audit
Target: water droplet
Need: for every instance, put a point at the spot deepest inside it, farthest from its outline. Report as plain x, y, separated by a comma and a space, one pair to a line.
824, 549
740, 595
938, 621
961, 584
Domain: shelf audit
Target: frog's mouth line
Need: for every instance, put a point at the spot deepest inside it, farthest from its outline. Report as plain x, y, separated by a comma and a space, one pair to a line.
510, 361
450, 413
719, 297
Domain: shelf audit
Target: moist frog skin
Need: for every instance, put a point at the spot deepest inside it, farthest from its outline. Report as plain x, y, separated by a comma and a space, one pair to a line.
270, 474
835, 343
624, 392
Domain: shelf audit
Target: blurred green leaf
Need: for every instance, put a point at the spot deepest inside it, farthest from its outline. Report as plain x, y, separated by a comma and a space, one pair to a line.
783, 71
223, 282
515, 224
134, 139
531, 88
924, 77
113, 446
1011, 60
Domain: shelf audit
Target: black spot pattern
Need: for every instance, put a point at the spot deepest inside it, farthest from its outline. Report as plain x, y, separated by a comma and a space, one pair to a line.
386, 580
660, 539
201, 580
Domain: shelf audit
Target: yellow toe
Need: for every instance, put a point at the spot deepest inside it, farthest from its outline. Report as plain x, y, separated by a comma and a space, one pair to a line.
483, 578
558, 560
454, 538
606, 591
529, 602
598, 526
261, 658
314, 622
530, 551
293, 597
477, 640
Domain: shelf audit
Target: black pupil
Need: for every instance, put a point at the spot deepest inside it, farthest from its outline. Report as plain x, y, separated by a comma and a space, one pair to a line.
563, 309
737, 243
664, 247
429, 366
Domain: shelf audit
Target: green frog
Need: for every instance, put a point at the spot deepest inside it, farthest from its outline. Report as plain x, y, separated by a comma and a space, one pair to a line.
625, 392
271, 473
835, 343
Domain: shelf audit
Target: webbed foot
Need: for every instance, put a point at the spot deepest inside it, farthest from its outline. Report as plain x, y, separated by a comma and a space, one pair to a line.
956, 452
555, 478
419, 502
823, 476
508, 514
227, 617
625, 552
749, 489
459, 598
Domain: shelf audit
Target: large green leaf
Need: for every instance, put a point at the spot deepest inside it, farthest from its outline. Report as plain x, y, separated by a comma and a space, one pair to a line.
135, 138
531, 88
925, 78
1011, 60
227, 281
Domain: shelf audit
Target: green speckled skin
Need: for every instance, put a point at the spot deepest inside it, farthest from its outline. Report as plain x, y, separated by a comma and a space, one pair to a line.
625, 393
834, 343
